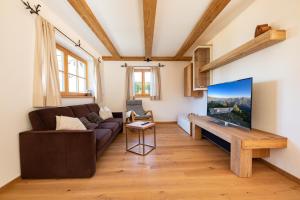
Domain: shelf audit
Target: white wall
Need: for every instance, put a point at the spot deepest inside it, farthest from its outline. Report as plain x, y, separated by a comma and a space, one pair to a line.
17, 38
275, 71
173, 101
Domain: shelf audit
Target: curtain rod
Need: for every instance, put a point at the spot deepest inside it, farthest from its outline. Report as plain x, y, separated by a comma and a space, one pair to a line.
159, 65
36, 11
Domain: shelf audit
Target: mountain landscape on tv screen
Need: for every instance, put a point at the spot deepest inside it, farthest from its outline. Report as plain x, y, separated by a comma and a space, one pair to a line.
236, 110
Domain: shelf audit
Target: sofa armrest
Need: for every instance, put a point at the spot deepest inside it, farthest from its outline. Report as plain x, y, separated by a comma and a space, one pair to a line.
57, 154
117, 114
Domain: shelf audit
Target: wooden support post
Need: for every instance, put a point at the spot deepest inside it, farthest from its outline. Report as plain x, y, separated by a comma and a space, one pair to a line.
240, 159
196, 132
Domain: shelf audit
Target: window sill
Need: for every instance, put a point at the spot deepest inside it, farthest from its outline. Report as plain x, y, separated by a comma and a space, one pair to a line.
138, 97
76, 96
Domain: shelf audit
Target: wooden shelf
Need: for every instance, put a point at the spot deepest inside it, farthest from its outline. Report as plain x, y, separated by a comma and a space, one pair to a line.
201, 57
265, 40
188, 83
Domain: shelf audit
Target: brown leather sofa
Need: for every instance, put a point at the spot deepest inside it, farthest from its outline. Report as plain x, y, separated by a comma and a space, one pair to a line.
47, 153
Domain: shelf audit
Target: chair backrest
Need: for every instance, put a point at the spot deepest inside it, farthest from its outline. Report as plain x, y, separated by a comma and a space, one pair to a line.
136, 106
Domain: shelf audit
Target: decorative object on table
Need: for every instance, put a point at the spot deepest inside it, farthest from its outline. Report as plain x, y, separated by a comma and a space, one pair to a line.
140, 127
260, 29
136, 112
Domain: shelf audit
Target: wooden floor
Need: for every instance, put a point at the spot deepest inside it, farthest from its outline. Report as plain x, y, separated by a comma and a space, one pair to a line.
180, 168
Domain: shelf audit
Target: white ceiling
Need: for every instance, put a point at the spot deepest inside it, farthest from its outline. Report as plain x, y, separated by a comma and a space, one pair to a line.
123, 22
175, 19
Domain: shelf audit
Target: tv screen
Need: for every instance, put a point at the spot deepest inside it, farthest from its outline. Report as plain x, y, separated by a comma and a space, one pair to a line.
231, 102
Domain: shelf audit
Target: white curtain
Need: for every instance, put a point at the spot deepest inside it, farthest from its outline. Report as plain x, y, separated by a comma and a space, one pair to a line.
155, 88
130, 83
46, 82
99, 91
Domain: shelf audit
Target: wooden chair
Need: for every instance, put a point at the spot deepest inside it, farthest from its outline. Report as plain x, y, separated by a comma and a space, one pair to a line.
137, 112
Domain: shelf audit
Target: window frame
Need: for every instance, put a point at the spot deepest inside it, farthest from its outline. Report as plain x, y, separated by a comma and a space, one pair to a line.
143, 95
66, 53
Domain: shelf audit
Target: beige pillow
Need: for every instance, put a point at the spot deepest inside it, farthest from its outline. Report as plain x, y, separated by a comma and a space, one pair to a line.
68, 123
105, 113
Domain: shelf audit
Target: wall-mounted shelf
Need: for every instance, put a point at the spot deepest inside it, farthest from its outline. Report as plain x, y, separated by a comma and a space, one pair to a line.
188, 83
202, 55
265, 40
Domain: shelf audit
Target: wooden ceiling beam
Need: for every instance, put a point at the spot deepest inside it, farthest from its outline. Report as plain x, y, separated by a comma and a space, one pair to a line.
84, 11
141, 58
207, 18
149, 10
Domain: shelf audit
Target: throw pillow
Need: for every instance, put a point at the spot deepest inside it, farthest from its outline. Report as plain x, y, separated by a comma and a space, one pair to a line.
105, 113
94, 118
68, 123
88, 124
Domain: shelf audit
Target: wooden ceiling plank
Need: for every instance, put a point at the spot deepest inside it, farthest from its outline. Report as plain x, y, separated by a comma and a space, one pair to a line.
84, 11
149, 10
141, 58
207, 18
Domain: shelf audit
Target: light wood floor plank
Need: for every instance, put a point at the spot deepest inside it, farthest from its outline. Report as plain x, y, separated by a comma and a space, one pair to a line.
180, 168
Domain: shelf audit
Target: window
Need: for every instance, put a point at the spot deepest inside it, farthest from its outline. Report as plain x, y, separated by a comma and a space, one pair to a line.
73, 79
142, 79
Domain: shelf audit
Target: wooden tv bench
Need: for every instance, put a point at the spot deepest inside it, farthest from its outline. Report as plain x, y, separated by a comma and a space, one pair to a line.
245, 145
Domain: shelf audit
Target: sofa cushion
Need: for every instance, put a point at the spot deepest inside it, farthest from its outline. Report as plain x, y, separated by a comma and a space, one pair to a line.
94, 117
105, 113
69, 123
93, 107
102, 137
45, 119
118, 120
80, 110
89, 125
113, 126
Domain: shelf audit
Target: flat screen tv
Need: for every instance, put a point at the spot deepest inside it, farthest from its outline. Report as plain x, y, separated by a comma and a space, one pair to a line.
231, 102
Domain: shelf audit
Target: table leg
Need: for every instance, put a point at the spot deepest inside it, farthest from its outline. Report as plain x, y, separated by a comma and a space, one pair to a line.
143, 142
154, 130
196, 132
139, 136
126, 139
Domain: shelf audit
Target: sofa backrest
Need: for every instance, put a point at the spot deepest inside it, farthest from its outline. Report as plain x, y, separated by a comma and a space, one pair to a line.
80, 110
93, 107
45, 119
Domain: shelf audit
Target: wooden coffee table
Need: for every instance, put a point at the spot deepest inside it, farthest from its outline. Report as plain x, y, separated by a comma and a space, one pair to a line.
137, 126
